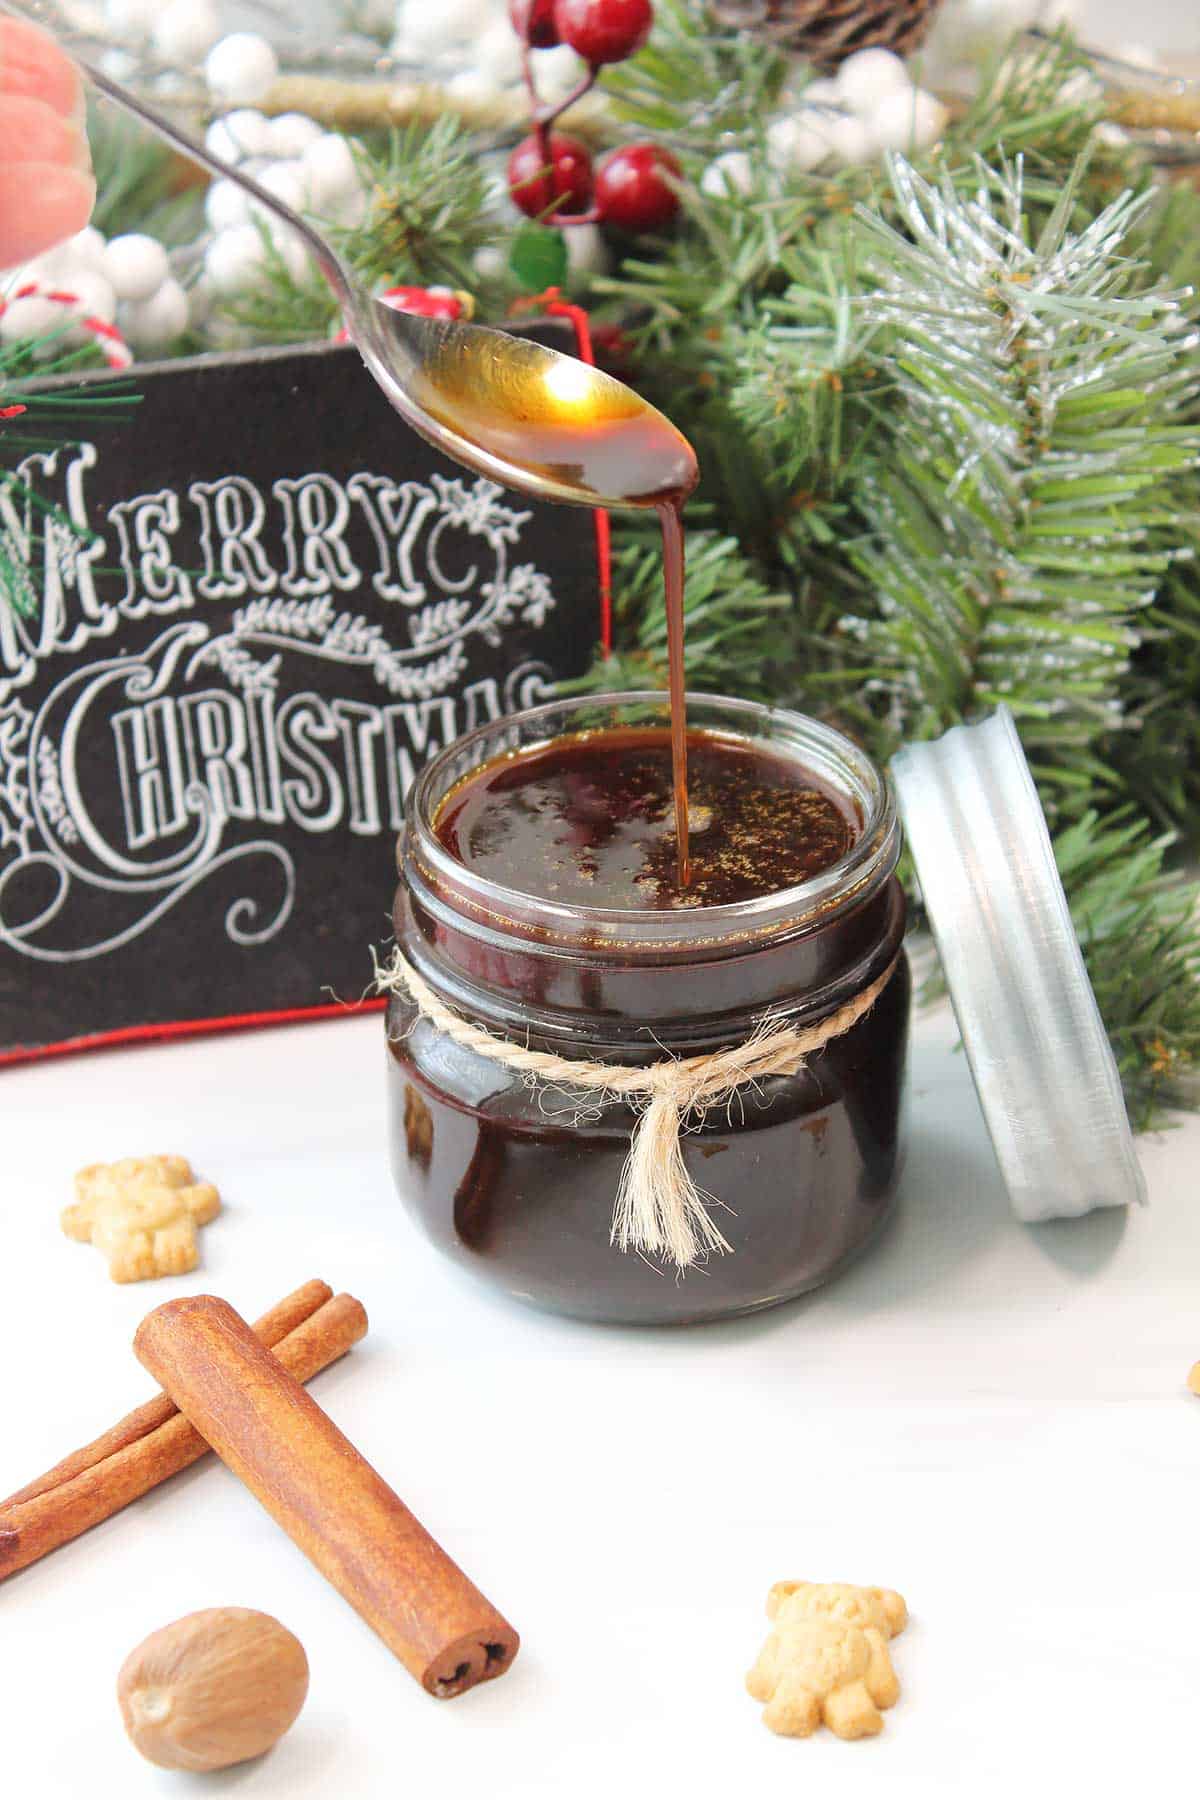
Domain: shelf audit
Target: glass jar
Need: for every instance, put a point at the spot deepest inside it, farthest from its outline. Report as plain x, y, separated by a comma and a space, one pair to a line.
518, 1184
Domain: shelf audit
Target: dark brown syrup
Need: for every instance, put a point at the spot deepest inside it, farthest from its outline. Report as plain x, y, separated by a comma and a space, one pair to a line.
590, 820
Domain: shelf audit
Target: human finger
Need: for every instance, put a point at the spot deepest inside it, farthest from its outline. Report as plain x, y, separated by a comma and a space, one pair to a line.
32, 64
41, 203
32, 132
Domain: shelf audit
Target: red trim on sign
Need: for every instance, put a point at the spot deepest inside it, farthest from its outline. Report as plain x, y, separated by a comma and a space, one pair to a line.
182, 1028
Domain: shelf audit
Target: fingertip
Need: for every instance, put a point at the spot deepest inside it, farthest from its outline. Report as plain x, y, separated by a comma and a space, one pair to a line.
40, 205
31, 131
31, 63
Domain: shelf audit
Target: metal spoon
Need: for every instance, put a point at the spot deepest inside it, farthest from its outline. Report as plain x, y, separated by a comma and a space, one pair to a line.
524, 415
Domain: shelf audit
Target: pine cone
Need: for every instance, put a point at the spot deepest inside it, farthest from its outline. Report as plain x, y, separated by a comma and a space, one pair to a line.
827, 31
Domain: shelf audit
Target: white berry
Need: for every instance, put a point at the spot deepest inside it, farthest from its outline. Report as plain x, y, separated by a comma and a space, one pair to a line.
729, 174
851, 141
868, 75
226, 204
330, 171
801, 142
498, 54
186, 30
93, 296
234, 260
822, 92
201, 298
491, 262
136, 265
154, 323
908, 121
241, 68
86, 249
587, 252
32, 317
119, 65
132, 16
558, 71
291, 134
349, 208
291, 249
430, 26
286, 180
53, 268
234, 135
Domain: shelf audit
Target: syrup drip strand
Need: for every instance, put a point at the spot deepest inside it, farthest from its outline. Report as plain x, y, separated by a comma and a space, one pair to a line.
671, 518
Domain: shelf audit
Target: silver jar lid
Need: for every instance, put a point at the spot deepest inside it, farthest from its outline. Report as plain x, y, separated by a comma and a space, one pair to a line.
1042, 1063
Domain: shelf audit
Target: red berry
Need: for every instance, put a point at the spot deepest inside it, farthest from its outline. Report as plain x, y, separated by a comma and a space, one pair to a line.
633, 188
539, 190
533, 22
603, 31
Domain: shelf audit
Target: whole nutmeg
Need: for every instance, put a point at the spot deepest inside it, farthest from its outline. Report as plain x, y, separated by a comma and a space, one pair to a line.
214, 1688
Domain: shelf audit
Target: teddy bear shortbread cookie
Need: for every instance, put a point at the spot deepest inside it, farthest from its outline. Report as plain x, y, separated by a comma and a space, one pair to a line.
143, 1213
827, 1658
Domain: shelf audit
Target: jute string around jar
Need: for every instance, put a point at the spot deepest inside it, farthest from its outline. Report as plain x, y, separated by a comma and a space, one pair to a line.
659, 1209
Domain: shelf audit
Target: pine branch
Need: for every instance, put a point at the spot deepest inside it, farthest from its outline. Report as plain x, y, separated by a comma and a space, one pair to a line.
1039, 425
281, 307
1041, 103
740, 636
141, 185
1157, 758
428, 210
1137, 926
426, 216
46, 422
695, 83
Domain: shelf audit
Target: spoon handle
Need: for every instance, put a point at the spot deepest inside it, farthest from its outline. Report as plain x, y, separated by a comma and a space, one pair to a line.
323, 254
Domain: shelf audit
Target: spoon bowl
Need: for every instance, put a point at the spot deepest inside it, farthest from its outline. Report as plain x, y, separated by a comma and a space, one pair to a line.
524, 414
516, 411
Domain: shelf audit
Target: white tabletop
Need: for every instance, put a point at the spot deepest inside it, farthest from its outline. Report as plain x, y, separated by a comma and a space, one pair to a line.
988, 1417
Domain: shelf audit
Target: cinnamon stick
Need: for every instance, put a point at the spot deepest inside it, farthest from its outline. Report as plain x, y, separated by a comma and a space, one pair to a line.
271, 1329
32, 1529
328, 1498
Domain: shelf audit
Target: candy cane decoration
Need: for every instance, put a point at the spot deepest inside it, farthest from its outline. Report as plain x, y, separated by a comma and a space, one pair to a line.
115, 350
430, 303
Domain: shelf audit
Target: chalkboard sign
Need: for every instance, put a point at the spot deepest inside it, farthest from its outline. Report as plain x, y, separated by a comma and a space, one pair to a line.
272, 604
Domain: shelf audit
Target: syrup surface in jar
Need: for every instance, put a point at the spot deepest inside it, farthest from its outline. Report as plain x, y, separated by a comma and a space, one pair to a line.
589, 820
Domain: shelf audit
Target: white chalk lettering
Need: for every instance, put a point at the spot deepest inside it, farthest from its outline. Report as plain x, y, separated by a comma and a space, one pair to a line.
313, 797
361, 727
232, 515
215, 741
150, 772
315, 515
145, 527
44, 531
395, 513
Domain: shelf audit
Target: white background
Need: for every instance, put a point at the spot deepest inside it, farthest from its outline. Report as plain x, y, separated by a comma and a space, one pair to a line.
989, 1417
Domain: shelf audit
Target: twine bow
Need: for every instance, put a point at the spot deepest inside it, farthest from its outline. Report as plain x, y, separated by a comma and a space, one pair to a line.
659, 1210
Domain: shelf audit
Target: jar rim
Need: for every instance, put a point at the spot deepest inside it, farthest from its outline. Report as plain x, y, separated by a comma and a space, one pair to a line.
832, 757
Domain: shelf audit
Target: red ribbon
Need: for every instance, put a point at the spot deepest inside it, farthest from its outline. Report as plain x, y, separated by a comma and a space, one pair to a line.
554, 303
